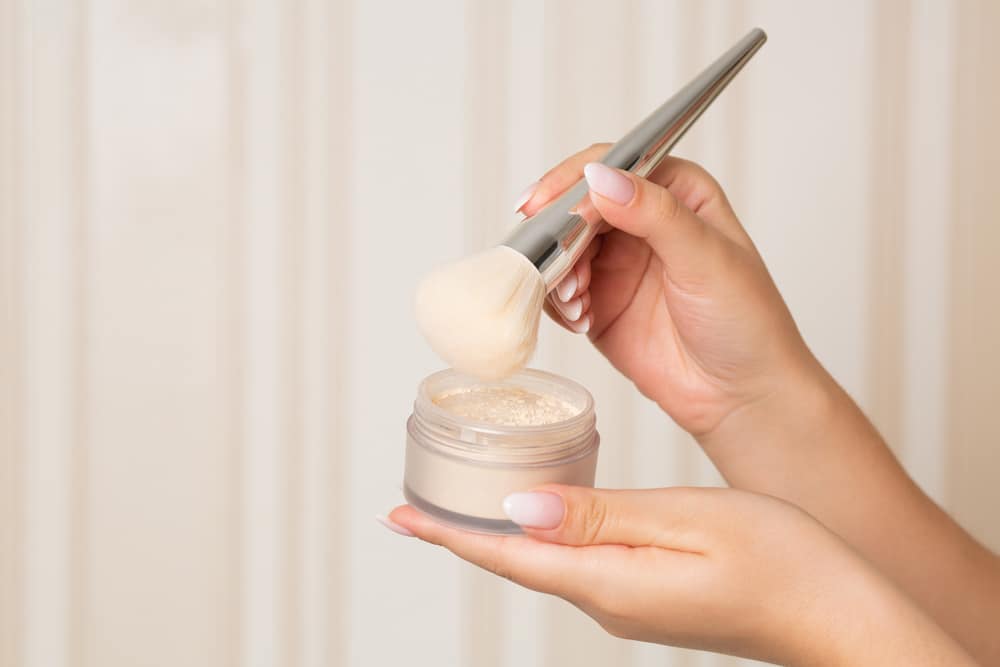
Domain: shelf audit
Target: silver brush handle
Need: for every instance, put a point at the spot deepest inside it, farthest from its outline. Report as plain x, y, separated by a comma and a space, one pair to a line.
554, 238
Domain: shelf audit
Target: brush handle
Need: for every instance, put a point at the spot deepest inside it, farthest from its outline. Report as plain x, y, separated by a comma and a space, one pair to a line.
554, 238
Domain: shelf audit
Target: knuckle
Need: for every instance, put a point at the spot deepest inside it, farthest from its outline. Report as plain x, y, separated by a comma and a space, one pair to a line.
700, 174
667, 206
593, 516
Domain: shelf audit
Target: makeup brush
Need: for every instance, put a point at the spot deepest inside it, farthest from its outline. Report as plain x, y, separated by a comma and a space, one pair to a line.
480, 314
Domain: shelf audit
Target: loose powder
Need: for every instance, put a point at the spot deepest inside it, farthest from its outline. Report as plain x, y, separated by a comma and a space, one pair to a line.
506, 406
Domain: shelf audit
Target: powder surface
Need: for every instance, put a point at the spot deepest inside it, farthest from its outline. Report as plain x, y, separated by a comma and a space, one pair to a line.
480, 314
506, 406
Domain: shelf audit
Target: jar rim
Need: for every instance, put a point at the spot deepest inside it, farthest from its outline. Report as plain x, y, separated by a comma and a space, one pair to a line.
471, 439
427, 404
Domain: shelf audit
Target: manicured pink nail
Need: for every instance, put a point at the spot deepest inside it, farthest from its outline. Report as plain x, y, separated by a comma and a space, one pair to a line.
572, 310
582, 325
393, 526
567, 288
525, 196
609, 183
536, 509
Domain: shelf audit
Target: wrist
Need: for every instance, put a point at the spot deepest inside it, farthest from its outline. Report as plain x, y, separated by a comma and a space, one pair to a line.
803, 402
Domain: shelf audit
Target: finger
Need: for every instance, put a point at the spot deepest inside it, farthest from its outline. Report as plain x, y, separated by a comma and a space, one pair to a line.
571, 310
578, 278
674, 518
554, 314
560, 178
583, 273
542, 566
701, 193
574, 311
566, 289
580, 325
688, 248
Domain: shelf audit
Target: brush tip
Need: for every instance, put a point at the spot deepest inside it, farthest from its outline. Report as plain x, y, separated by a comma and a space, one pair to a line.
481, 313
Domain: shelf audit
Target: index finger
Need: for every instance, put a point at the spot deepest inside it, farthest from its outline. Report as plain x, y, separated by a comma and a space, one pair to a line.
562, 177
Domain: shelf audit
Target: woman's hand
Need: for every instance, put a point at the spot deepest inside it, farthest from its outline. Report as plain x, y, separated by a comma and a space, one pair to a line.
713, 569
674, 293
676, 296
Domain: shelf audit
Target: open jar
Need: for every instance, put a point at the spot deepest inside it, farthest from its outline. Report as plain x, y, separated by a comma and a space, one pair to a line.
470, 444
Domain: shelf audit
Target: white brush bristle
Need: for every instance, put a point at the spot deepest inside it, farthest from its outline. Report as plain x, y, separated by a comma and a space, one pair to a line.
480, 314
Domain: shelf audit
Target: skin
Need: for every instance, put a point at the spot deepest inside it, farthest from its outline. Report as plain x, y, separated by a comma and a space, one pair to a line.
679, 300
713, 569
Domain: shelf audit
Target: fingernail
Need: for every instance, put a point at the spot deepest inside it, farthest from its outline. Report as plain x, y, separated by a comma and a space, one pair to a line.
393, 526
609, 183
536, 509
525, 196
572, 310
567, 288
582, 326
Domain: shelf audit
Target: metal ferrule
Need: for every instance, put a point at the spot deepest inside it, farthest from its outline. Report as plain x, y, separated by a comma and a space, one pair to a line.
555, 237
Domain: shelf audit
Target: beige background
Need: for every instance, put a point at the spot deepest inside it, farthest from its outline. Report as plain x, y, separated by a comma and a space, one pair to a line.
211, 218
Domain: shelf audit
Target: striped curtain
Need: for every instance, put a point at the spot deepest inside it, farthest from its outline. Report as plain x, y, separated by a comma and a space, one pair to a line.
212, 214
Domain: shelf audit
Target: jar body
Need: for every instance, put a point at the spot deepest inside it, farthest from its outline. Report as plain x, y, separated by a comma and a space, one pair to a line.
459, 471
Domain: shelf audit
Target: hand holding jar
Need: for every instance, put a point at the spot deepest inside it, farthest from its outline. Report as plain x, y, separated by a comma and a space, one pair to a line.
715, 569
676, 295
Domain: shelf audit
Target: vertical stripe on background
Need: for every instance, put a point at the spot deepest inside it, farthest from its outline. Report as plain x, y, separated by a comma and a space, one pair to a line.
973, 457
290, 444
333, 490
316, 637
264, 534
233, 336
12, 322
887, 197
485, 216
79, 156
51, 218
158, 503
926, 218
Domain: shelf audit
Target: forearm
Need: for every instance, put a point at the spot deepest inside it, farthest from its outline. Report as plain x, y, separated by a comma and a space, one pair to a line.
814, 448
867, 621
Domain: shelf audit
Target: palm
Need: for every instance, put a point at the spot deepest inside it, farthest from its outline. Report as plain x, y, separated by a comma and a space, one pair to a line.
672, 346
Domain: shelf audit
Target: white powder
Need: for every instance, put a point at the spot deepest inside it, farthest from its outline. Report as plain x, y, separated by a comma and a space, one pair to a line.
506, 406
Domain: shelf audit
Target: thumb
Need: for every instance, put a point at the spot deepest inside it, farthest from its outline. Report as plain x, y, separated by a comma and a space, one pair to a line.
681, 240
672, 518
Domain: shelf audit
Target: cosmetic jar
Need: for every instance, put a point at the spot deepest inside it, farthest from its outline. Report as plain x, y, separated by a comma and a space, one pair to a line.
470, 443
